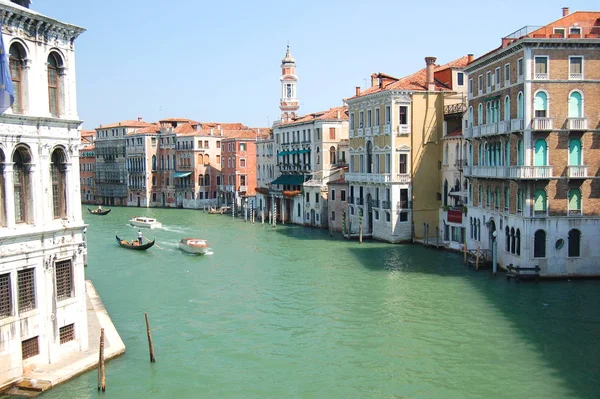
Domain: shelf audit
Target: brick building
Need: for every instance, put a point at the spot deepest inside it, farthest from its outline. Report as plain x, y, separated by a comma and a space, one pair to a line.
87, 167
532, 122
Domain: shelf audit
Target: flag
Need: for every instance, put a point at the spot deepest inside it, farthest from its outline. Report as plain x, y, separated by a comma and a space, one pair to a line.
7, 94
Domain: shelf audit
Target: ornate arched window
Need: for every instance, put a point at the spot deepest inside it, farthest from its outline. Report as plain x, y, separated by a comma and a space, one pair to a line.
58, 173
512, 240
575, 105
153, 162
54, 65
507, 239
518, 246
21, 185
17, 60
332, 155
207, 179
540, 104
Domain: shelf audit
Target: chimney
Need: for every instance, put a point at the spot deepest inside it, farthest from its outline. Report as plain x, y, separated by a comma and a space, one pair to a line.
219, 127
338, 114
373, 79
139, 118
430, 62
565, 11
358, 90
469, 58
212, 132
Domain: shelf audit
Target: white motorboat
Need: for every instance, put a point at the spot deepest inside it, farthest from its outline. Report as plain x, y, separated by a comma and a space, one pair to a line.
194, 246
142, 221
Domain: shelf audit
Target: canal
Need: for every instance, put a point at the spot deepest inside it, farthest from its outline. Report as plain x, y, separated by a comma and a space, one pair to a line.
290, 312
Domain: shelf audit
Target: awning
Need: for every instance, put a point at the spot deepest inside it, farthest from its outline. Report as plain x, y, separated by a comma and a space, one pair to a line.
181, 174
303, 151
289, 180
282, 153
491, 98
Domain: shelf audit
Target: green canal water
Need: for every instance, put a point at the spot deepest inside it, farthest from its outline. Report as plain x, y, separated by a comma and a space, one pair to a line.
289, 312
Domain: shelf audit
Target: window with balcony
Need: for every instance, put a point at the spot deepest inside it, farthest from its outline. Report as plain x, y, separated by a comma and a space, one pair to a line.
480, 114
520, 69
402, 163
539, 244
58, 173
541, 153
574, 201
480, 84
497, 77
54, 65
351, 120
540, 71
21, 185
574, 250
387, 163
488, 81
377, 120
388, 115
369, 118
541, 104
361, 119
574, 152
540, 202
576, 68
403, 115
470, 88
507, 108
507, 75
520, 106
575, 105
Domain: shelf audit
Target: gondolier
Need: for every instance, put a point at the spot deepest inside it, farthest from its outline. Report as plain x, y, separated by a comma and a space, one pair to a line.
140, 237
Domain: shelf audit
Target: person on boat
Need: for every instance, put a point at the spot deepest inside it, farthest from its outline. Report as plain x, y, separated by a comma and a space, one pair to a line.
99, 208
140, 237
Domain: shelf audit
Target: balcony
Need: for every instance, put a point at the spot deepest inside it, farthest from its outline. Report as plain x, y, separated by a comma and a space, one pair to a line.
403, 129
540, 214
577, 123
488, 172
575, 212
541, 124
577, 172
387, 129
516, 125
476, 131
375, 203
386, 204
468, 132
243, 189
368, 131
530, 172
402, 178
575, 76
368, 177
360, 201
361, 131
460, 164
540, 76
489, 129
503, 127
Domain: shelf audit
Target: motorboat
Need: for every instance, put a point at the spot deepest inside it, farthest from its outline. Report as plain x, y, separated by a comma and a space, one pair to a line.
196, 246
134, 244
142, 221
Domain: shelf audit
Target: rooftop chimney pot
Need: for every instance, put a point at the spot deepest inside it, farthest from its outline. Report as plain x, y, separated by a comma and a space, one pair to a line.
565, 11
357, 90
139, 118
469, 58
430, 63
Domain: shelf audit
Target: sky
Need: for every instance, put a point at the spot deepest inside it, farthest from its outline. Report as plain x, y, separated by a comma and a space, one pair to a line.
220, 60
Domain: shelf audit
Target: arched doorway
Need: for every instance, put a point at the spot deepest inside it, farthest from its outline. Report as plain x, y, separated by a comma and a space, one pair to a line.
491, 230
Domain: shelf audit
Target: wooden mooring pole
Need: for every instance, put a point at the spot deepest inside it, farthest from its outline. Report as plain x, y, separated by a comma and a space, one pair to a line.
465, 248
150, 344
101, 369
477, 258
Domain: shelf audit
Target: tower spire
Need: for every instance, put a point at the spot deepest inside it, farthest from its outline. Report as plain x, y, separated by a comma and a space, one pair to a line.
289, 100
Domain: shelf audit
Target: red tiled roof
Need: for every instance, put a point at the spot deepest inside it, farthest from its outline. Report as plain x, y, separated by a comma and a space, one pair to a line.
414, 82
338, 181
177, 120
153, 128
324, 115
126, 123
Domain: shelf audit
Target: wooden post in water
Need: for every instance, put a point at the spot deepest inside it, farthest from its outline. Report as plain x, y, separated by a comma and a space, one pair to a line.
412, 231
465, 248
262, 217
424, 234
274, 214
150, 344
360, 229
283, 212
477, 258
437, 236
101, 369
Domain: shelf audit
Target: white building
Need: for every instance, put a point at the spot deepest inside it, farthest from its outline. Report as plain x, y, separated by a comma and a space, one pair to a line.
42, 244
295, 165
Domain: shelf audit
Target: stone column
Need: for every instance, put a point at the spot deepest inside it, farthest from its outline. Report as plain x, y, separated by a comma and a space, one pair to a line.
10, 194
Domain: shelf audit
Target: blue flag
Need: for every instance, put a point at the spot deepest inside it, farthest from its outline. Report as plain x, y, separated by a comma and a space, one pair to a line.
7, 94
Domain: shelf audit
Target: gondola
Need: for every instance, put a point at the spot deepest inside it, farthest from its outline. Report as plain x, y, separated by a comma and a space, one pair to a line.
97, 212
134, 244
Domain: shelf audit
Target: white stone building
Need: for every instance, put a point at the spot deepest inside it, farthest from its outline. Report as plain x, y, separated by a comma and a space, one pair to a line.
42, 233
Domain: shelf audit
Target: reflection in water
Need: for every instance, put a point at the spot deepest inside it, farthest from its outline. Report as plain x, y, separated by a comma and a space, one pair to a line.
290, 312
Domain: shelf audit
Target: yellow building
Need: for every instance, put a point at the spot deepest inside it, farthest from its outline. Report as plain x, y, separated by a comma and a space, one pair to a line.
396, 126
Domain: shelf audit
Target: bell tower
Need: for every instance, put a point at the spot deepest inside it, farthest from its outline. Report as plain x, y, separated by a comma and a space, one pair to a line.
289, 100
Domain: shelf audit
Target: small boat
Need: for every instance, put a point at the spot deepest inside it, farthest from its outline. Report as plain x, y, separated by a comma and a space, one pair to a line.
134, 244
194, 246
215, 211
98, 211
142, 221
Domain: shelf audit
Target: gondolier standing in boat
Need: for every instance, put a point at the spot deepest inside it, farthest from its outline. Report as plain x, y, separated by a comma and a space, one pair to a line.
140, 236
99, 208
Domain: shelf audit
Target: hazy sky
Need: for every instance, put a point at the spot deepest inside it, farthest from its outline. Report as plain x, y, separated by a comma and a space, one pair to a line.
220, 60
